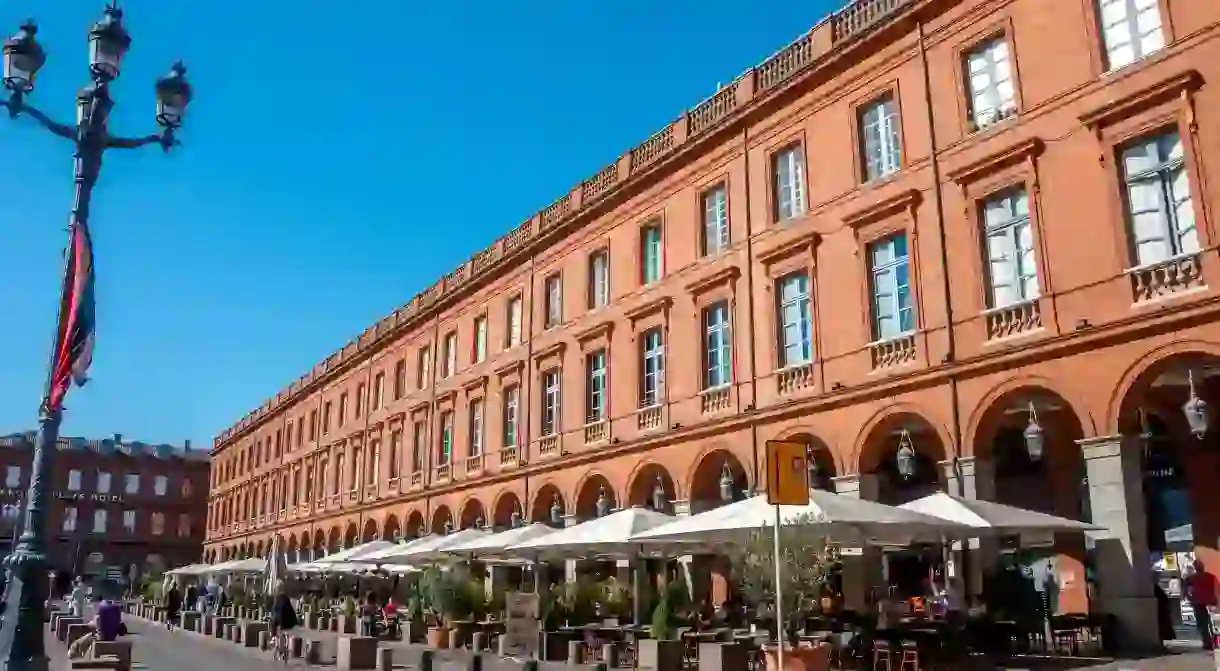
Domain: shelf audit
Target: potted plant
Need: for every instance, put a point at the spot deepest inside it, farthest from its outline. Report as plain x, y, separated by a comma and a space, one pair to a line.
436, 594
351, 615
805, 563
662, 650
413, 624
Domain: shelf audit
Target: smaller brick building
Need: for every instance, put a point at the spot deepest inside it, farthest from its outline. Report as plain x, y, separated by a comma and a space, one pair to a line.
114, 504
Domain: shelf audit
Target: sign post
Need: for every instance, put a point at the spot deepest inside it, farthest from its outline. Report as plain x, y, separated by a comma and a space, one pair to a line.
787, 485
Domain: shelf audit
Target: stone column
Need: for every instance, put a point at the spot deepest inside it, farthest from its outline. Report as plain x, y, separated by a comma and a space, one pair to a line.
1124, 578
973, 479
861, 566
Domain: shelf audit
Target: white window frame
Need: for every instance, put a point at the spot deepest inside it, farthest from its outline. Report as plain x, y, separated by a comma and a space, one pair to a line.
991, 81
716, 233
514, 321
103, 482
788, 168
795, 320
156, 524
451, 352
652, 368
129, 521
599, 279
424, 374
480, 338
99, 521
131, 483
717, 346
378, 390
444, 446
160, 485
70, 517
878, 270
880, 145
1169, 180
1009, 248
553, 288
512, 411
74, 480
1137, 24
419, 445
551, 399
476, 428
596, 391
652, 253
12, 476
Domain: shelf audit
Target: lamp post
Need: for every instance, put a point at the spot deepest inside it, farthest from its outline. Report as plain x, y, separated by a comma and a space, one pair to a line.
21, 641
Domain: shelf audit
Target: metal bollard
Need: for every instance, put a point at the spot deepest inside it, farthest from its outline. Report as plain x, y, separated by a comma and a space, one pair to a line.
263, 640
575, 648
476, 662
610, 654
313, 652
296, 647
478, 641
385, 659
426, 661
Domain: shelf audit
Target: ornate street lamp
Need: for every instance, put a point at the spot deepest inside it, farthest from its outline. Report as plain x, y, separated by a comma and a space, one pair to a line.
813, 469
1035, 437
448, 527
21, 636
904, 460
515, 520
603, 503
726, 484
23, 57
659, 500
1195, 410
479, 522
556, 513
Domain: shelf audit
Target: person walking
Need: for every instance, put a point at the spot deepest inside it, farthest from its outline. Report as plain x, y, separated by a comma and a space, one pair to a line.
173, 606
77, 598
283, 620
1201, 591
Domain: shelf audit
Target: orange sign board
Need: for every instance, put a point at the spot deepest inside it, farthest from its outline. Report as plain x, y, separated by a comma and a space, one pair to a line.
787, 473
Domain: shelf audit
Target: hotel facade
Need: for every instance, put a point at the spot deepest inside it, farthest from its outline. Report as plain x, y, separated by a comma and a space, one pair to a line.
949, 244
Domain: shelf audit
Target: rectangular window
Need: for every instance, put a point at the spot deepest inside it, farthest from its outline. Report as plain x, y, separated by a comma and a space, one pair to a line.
133, 483
717, 346
313, 425
326, 413
595, 387
554, 301
1012, 272
651, 254
512, 399
395, 453
879, 148
514, 322
342, 411
99, 521
715, 220
550, 403
796, 323
129, 521
12, 476
74, 480
340, 471
358, 468
419, 441
423, 376
788, 168
652, 387
480, 339
599, 279
160, 485
476, 428
990, 82
289, 434
157, 524
445, 446
373, 470
400, 379
69, 519
1159, 209
893, 313
449, 363
378, 390
103, 482
184, 526
1130, 29
362, 399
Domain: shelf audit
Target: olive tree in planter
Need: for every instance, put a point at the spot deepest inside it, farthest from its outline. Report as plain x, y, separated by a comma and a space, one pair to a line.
663, 650
805, 563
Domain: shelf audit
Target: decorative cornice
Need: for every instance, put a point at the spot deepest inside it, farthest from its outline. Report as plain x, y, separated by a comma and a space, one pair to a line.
1182, 83
510, 368
549, 351
422, 406
906, 200
723, 276
479, 382
445, 396
604, 328
787, 248
1010, 155
656, 305
396, 418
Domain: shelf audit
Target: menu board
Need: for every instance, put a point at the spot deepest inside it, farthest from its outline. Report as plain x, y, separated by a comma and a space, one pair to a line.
521, 625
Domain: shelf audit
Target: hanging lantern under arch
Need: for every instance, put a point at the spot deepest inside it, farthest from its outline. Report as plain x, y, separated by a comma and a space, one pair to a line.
1035, 437
904, 459
1195, 410
726, 484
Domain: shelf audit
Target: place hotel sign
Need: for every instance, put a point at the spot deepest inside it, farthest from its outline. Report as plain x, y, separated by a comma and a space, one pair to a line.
16, 493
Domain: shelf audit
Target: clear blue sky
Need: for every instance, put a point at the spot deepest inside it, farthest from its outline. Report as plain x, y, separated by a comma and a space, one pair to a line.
338, 158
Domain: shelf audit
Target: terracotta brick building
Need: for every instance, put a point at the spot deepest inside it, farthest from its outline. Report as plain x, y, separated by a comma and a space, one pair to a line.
114, 504
918, 230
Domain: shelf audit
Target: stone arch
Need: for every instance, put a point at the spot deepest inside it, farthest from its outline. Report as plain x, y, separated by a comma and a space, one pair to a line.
441, 517
506, 504
825, 467
546, 496
588, 491
870, 448
704, 480
392, 529
472, 514
260, 549
645, 480
290, 550
977, 424
333, 541
878, 455
350, 535
319, 544
1138, 379
370, 531
415, 524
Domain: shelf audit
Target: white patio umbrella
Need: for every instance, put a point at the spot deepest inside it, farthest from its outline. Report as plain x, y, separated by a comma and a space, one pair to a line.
355, 554
424, 550
617, 534
495, 545
276, 568
189, 570
987, 518
839, 519
252, 565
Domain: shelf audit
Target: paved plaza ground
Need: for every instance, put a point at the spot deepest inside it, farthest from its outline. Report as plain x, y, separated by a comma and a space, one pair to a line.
156, 649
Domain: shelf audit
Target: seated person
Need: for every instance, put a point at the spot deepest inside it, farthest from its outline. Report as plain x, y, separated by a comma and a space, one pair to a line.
108, 621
